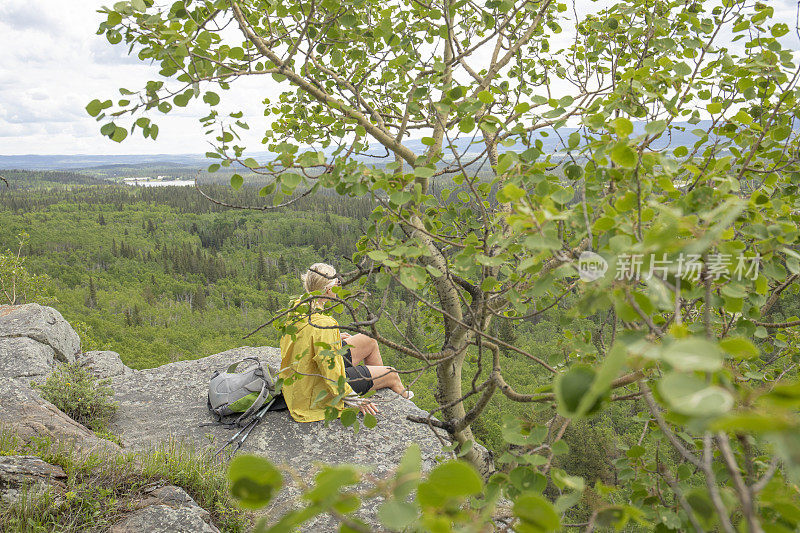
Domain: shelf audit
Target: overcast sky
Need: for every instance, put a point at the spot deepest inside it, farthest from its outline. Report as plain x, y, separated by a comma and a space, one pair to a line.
53, 64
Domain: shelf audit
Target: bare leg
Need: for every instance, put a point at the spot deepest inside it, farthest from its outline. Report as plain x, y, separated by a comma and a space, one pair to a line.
364, 348
386, 377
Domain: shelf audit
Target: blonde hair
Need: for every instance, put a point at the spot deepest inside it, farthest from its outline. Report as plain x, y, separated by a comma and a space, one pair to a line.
319, 277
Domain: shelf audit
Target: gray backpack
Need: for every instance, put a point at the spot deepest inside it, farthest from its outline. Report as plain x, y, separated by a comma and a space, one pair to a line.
242, 389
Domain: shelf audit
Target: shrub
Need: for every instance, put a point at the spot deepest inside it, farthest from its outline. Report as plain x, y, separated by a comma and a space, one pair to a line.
17, 284
81, 396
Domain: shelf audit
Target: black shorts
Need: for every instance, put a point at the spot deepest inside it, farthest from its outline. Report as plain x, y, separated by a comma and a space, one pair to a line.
358, 377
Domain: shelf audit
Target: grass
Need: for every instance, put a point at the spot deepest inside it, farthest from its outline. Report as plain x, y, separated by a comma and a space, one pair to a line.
101, 489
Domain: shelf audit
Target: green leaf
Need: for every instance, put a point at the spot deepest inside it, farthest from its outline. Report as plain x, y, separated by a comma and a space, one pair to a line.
251, 163
682, 69
486, 97
561, 195
693, 354
536, 514
573, 172
560, 447
453, 479
510, 193
349, 417
108, 129
739, 347
635, 451
211, 98
291, 180
601, 386
574, 139
571, 387
691, 396
612, 516
779, 30
655, 127
412, 277
622, 126
119, 134
377, 255
397, 515
423, 172
595, 121
780, 133
512, 431
113, 19
400, 197
236, 181
253, 481
785, 395
527, 479
623, 155
330, 480
267, 189
370, 421
182, 100
408, 471
94, 108
755, 422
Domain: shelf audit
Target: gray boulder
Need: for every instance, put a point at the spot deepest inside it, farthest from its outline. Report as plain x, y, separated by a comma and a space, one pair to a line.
33, 339
167, 510
42, 324
170, 402
27, 471
103, 364
19, 470
25, 359
29, 416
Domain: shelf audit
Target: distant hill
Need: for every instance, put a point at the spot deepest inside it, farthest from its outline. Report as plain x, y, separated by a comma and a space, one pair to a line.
78, 162
27, 179
116, 165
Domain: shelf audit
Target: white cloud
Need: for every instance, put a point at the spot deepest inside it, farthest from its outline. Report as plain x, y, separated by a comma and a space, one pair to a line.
54, 63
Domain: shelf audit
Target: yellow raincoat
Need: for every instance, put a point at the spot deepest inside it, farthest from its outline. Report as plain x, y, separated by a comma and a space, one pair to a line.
301, 355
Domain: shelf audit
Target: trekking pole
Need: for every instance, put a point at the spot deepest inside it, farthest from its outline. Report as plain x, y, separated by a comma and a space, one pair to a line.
251, 428
247, 428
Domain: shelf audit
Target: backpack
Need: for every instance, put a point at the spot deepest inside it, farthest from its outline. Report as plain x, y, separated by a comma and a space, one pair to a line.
242, 389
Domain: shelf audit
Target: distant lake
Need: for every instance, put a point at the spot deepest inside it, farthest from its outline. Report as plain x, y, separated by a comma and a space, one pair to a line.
169, 183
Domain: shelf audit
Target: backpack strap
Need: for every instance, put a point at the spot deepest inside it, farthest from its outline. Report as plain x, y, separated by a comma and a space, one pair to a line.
232, 368
266, 388
257, 403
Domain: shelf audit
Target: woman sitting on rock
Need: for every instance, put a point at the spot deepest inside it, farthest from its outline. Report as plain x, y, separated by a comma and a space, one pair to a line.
313, 372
